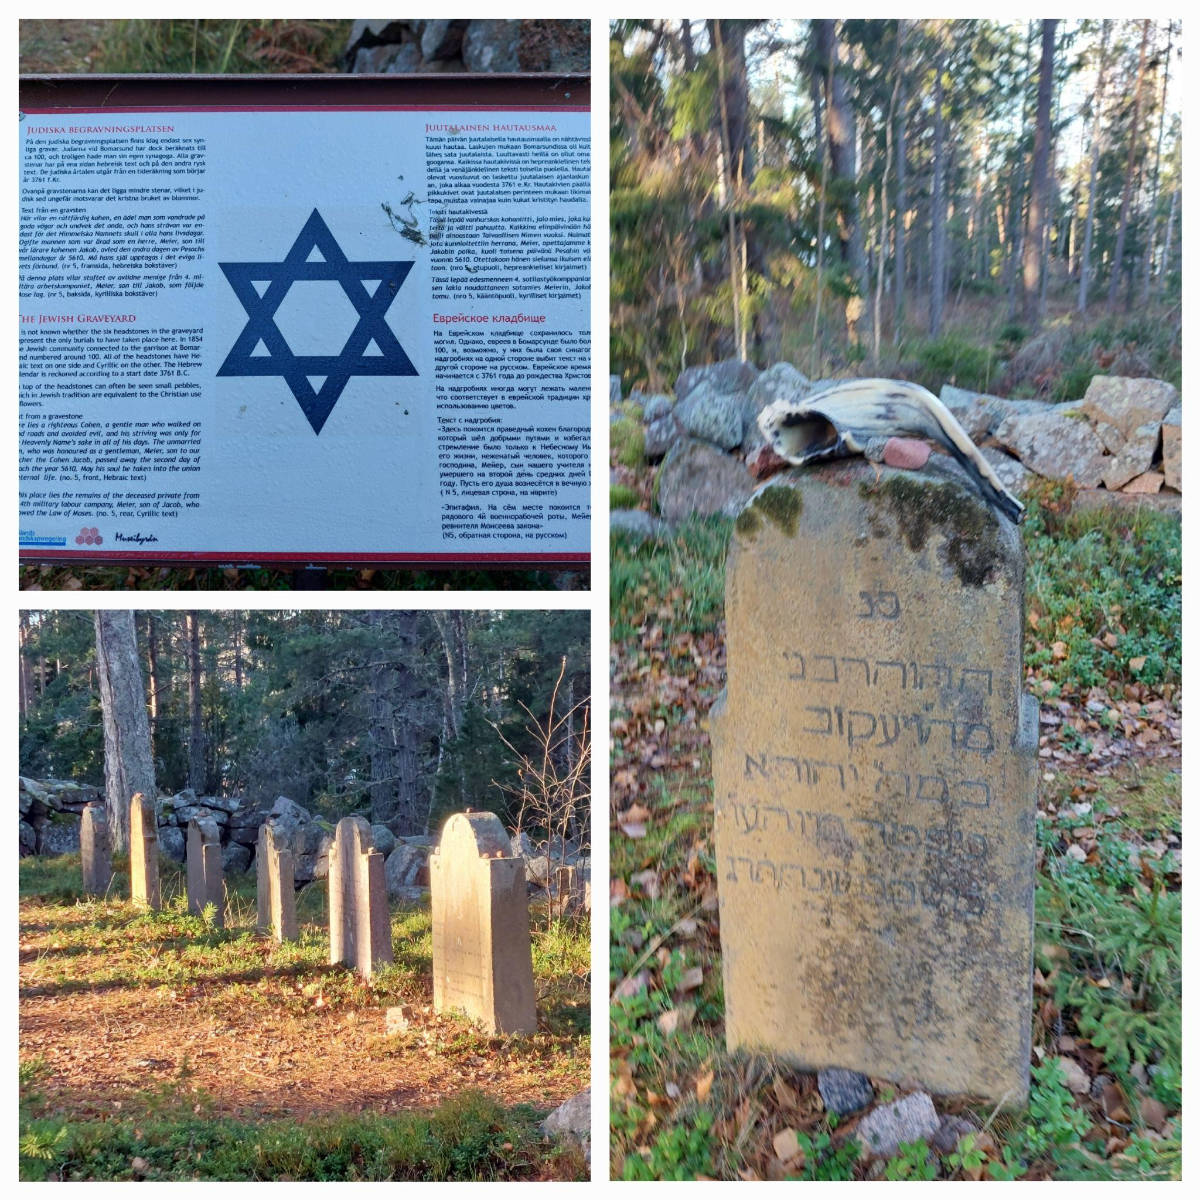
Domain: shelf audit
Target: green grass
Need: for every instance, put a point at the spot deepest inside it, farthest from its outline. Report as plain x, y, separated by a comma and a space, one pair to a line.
218, 47
1107, 585
467, 1138
681, 577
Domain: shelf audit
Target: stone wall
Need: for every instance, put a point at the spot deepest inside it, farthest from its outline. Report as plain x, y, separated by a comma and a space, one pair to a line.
394, 47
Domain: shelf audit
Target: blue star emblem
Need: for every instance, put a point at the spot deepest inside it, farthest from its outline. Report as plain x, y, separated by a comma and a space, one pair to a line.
316, 380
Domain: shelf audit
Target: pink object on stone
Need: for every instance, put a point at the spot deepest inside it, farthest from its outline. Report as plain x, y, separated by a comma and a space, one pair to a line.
908, 453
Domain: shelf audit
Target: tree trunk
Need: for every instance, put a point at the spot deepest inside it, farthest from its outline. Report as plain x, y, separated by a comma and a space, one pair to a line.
1039, 193
839, 124
128, 765
196, 758
1118, 266
1085, 262
937, 216
900, 268
1148, 257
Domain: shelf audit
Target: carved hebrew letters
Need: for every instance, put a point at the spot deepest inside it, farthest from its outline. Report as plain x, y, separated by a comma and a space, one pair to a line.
873, 767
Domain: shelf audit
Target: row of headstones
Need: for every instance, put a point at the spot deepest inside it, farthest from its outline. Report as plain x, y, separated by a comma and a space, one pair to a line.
482, 958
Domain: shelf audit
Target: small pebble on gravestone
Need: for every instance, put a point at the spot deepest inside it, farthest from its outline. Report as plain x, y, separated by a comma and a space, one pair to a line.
883, 1130
844, 1091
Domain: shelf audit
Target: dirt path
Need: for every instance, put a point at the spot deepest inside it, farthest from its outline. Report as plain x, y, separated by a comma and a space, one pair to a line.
250, 1038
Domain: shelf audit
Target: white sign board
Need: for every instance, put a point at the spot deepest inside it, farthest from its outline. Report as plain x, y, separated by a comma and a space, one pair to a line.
335, 334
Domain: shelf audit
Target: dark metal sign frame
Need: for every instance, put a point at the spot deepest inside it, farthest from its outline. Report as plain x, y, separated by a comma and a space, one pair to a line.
51, 94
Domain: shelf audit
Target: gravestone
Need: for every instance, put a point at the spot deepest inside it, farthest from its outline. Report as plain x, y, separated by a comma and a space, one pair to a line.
276, 885
482, 960
95, 849
874, 770
360, 933
143, 852
205, 879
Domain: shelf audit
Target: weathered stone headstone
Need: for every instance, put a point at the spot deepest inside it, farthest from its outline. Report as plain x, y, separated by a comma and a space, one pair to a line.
482, 961
143, 852
875, 781
360, 933
276, 886
95, 849
205, 879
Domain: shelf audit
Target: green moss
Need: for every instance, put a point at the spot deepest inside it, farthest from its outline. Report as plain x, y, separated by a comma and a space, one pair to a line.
971, 547
781, 506
620, 495
748, 522
628, 442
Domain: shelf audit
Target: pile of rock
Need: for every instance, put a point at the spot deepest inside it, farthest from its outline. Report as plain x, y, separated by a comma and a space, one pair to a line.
1125, 434
556, 868
50, 810
405, 47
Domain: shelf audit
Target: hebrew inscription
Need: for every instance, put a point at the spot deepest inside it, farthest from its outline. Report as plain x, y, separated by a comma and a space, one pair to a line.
874, 793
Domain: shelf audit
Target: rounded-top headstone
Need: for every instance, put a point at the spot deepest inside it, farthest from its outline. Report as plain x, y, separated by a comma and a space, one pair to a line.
480, 834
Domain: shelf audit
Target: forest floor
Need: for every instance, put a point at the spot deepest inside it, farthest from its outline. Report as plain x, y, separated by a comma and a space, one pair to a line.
1103, 655
144, 1034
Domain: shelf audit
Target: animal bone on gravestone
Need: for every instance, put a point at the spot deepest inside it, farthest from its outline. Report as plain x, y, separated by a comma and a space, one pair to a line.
861, 415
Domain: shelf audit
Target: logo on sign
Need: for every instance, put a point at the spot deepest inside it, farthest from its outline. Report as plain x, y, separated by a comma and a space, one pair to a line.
316, 380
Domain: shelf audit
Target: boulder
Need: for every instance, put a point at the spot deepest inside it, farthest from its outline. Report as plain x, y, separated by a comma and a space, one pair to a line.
844, 1091
1145, 485
713, 416
908, 1119
655, 406
779, 382
635, 522
384, 839
313, 864
1134, 458
442, 39
977, 412
287, 817
401, 869
730, 375
245, 823
172, 842
28, 838
614, 390
236, 857
1128, 403
59, 836
572, 1119
225, 804
189, 812
1009, 470
492, 46
697, 478
1057, 444
1172, 448
660, 435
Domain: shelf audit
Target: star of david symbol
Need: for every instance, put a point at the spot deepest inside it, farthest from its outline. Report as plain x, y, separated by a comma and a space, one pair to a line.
316, 380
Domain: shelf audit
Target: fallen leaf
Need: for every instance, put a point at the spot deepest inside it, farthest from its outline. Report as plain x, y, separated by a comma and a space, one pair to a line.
692, 978
675, 1019
787, 1145
1136, 664
704, 1085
